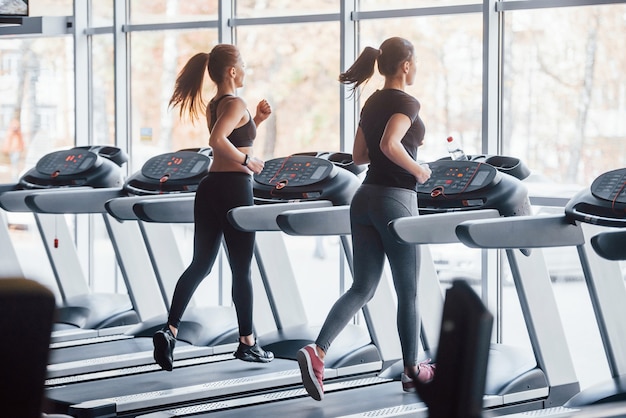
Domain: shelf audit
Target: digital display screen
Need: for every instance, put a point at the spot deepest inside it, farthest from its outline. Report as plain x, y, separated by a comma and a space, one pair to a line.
85, 163
199, 165
479, 178
317, 174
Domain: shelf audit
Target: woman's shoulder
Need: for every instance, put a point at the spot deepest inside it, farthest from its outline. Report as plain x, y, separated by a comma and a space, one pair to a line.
407, 99
229, 102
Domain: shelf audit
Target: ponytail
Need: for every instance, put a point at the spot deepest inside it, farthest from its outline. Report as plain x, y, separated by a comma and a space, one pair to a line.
392, 53
188, 88
362, 69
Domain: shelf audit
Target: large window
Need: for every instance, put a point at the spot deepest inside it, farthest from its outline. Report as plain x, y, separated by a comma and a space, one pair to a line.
564, 91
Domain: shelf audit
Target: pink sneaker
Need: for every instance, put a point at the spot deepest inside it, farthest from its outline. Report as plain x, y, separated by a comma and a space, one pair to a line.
312, 371
425, 373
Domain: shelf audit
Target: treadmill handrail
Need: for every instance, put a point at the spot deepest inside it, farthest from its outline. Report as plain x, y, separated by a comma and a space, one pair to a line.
75, 201
438, 228
610, 245
516, 232
174, 209
123, 208
263, 217
316, 222
15, 200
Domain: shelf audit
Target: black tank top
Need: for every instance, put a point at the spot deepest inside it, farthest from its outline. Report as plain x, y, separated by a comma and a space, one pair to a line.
239, 137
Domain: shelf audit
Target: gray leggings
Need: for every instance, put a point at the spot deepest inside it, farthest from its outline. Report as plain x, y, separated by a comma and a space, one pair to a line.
371, 210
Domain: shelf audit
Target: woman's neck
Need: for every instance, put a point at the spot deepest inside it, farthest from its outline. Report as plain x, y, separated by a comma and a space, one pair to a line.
397, 82
225, 92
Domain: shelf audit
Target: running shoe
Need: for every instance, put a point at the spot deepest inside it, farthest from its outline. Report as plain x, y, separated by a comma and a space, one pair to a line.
312, 371
253, 353
164, 342
425, 373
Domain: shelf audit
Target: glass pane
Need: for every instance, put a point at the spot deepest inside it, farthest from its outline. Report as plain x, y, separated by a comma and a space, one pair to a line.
103, 100
256, 8
36, 101
409, 4
449, 76
162, 11
299, 80
51, 7
101, 13
157, 57
564, 91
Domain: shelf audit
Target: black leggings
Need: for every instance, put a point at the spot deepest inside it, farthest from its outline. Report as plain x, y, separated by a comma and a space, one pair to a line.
217, 193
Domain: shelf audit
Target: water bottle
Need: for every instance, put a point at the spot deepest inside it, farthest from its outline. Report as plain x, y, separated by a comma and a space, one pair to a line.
456, 153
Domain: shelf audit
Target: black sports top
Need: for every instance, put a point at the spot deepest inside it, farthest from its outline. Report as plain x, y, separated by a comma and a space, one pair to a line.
376, 112
239, 137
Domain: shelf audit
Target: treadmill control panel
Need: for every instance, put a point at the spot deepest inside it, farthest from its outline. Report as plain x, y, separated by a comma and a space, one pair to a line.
458, 177
90, 166
471, 185
178, 165
294, 171
611, 186
306, 177
604, 203
172, 172
68, 162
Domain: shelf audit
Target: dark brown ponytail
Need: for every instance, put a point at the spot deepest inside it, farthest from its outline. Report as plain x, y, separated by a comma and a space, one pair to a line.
391, 54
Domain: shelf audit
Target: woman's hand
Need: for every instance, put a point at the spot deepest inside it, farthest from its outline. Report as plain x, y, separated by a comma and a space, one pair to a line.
263, 111
424, 174
255, 165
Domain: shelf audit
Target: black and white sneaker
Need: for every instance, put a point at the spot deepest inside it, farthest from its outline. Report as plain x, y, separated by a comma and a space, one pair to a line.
253, 353
164, 342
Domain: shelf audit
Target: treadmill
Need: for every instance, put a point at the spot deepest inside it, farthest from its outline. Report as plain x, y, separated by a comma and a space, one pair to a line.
482, 191
135, 246
91, 168
602, 204
587, 213
150, 390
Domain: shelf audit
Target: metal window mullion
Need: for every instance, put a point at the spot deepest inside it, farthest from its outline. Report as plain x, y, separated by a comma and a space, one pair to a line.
492, 144
225, 19
548, 4
422, 11
121, 70
278, 20
347, 105
83, 123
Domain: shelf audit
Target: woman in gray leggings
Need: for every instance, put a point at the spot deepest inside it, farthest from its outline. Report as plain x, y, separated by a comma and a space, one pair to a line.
388, 136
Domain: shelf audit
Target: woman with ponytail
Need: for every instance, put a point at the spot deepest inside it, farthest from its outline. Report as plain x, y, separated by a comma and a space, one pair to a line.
388, 136
227, 185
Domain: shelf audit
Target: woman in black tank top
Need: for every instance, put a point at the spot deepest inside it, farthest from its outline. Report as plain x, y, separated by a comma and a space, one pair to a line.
227, 185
